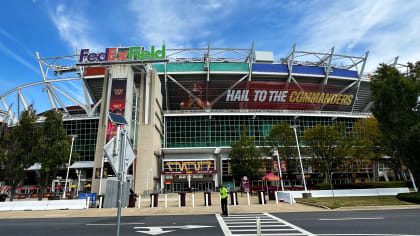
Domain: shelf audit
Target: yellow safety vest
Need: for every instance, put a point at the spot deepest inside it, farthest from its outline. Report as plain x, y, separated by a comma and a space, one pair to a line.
223, 192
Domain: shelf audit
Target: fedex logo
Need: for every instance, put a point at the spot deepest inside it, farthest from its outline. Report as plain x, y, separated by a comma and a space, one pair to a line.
122, 54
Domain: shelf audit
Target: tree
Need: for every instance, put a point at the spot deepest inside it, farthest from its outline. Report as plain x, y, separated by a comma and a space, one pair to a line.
327, 144
366, 143
396, 106
17, 149
53, 148
282, 138
245, 158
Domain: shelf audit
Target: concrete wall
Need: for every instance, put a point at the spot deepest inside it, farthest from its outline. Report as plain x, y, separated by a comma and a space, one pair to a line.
116, 71
149, 138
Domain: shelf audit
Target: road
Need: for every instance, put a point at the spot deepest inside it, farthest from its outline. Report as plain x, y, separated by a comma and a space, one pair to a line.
345, 223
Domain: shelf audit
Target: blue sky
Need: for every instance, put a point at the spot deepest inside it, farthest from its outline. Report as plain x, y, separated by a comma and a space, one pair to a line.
386, 28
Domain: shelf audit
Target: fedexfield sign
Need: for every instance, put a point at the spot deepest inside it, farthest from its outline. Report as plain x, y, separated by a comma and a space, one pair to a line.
122, 54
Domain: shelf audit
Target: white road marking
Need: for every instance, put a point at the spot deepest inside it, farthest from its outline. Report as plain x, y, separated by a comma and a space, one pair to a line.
369, 234
156, 230
115, 224
245, 225
371, 218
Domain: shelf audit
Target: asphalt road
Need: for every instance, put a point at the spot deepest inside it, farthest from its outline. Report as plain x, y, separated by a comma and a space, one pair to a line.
358, 223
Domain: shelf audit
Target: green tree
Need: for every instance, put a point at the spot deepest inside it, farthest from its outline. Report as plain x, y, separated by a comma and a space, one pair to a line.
328, 145
245, 158
282, 138
17, 148
53, 148
366, 144
396, 106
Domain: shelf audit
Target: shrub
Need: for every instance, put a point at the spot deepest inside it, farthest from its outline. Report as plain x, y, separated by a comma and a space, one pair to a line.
365, 185
409, 197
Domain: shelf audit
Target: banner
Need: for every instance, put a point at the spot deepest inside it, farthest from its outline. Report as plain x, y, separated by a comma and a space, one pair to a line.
189, 167
116, 104
218, 94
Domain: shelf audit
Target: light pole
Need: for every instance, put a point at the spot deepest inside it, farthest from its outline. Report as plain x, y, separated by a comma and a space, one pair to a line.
300, 158
276, 152
68, 166
78, 172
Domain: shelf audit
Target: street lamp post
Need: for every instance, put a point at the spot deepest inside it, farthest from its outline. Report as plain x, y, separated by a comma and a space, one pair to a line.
276, 152
300, 158
68, 166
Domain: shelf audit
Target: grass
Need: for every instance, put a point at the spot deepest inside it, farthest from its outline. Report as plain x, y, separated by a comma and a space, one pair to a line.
355, 201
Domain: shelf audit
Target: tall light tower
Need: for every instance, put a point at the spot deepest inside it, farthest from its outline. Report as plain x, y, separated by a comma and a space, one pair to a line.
300, 158
68, 166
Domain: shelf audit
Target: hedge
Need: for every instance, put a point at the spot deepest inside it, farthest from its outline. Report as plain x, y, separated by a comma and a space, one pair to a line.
409, 197
364, 185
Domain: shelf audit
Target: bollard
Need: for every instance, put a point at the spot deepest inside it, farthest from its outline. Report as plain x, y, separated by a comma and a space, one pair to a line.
139, 201
234, 198
166, 200
277, 199
100, 202
179, 200
87, 202
207, 199
262, 198
153, 201
258, 226
192, 199
247, 195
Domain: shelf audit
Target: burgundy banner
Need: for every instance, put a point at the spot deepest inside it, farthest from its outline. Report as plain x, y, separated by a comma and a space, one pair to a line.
116, 104
258, 95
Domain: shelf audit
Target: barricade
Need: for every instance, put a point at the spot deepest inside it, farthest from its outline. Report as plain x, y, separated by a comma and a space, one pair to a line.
285, 197
43, 205
91, 196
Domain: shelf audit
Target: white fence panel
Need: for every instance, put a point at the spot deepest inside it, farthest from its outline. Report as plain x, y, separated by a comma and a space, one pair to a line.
353, 192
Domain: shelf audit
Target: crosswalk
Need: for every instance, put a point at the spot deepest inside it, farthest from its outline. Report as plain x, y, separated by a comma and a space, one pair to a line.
245, 225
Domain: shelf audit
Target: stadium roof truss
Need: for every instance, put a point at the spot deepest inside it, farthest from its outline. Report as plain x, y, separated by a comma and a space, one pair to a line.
53, 68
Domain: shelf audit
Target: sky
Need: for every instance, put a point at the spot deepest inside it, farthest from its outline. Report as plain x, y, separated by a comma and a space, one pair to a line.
385, 28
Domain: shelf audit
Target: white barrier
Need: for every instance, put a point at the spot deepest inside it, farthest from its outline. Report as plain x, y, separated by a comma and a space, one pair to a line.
43, 205
352, 192
285, 197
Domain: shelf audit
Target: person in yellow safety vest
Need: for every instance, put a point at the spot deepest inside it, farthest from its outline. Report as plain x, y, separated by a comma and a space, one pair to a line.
224, 198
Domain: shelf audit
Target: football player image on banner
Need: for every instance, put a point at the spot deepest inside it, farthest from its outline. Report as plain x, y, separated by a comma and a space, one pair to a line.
116, 104
195, 103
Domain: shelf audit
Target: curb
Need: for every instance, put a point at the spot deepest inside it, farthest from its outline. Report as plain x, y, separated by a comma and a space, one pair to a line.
314, 205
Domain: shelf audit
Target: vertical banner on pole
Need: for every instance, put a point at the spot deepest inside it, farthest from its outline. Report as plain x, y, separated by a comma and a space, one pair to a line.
116, 104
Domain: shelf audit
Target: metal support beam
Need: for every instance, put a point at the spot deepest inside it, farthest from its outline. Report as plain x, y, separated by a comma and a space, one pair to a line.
85, 90
250, 61
290, 62
328, 69
395, 62
360, 74
61, 103
95, 106
22, 98
71, 98
182, 87
44, 78
207, 58
223, 94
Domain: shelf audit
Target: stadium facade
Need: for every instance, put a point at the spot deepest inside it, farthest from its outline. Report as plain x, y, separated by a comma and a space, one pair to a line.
185, 107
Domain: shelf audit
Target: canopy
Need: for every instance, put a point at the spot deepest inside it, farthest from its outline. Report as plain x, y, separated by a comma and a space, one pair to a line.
88, 186
270, 177
73, 186
21, 188
168, 182
33, 188
59, 186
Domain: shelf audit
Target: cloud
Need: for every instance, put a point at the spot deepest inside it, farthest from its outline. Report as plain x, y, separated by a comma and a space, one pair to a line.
179, 23
18, 58
73, 27
386, 28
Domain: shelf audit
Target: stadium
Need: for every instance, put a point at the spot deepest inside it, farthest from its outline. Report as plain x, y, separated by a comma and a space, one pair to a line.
185, 108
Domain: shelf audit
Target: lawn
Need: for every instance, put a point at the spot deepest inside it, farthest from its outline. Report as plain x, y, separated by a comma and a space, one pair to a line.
355, 201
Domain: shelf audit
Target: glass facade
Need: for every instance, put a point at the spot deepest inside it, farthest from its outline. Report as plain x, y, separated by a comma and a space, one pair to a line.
85, 142
223, 131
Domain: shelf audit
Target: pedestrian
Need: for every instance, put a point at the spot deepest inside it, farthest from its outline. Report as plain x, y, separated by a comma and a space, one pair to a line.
224, 198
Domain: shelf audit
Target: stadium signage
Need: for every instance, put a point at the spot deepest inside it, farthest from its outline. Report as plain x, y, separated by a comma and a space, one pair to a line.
122, 54
273, 96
